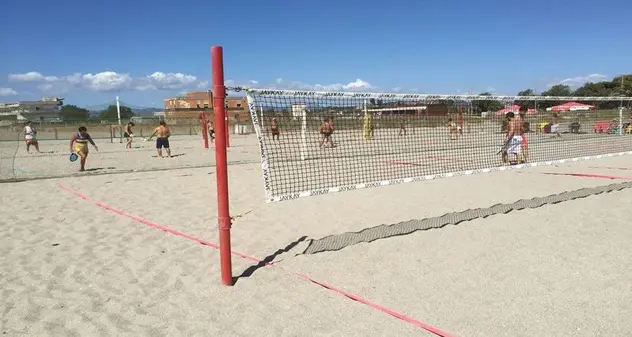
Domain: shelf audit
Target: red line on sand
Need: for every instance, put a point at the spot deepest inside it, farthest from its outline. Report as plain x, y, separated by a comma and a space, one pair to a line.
587, 175
356, 298
153, 224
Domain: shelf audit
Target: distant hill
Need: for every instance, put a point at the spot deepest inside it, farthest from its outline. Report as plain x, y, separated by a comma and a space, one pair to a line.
95, 111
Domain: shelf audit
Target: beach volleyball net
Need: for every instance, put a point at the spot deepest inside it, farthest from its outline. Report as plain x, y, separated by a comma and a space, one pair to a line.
314, 143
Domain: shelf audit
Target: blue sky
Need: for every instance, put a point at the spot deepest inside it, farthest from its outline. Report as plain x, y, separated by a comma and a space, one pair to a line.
91, 51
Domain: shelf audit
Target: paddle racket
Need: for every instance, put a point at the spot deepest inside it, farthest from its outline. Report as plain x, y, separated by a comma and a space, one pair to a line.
74, 157
504, 147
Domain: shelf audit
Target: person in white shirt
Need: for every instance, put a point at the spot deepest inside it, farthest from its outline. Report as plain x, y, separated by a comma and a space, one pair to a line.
29, 137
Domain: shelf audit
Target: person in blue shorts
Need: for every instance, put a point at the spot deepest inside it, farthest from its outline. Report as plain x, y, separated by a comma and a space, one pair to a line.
162, 134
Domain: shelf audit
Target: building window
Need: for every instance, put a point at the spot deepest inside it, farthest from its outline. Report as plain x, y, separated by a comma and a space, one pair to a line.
205, 106
198, 106
36, 108
239, 105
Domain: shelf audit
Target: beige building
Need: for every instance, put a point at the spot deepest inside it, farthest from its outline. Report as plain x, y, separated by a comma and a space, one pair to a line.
192, 103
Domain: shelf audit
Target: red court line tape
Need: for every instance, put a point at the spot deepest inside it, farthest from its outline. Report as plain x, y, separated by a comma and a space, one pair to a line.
378, 307
153, 224
356, 298
587, 175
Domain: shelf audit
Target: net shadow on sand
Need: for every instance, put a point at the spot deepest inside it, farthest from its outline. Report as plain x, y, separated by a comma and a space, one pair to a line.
268, 259
341, 241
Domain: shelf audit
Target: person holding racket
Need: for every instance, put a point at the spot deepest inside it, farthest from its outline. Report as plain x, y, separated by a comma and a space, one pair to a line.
79, 145
513, 140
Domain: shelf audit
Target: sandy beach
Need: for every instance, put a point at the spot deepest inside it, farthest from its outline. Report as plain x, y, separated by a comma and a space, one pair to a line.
132, 253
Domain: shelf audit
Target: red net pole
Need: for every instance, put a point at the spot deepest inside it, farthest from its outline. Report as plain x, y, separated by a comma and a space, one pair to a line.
221, 168
204, 129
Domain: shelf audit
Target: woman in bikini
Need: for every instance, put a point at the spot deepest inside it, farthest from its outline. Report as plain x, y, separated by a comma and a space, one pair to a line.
79, 145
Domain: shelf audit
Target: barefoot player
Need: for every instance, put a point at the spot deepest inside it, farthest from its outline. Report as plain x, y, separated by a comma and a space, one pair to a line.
274, 129
30, 137
79, 145
513, 140
452, 129
162, 134
325, 133
402, 127
129, 134
211, 130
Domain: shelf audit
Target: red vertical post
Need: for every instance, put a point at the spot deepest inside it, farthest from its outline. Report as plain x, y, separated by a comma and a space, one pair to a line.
221, 165
204, 129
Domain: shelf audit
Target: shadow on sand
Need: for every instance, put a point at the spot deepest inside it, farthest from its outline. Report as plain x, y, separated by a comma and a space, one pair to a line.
268, 259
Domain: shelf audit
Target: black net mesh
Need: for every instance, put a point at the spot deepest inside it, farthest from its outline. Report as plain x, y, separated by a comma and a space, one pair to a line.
314, 143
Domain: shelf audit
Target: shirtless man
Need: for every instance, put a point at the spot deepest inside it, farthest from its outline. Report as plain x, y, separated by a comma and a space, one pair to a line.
325, 132
513, 139
525, 144
274, 129
162, 134
129, 135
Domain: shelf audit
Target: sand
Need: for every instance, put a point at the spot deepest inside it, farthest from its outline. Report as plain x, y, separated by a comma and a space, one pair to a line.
71, 267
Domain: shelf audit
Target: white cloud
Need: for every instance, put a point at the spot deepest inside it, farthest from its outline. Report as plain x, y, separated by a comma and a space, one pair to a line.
254, 82
32, 76
108, 81
7, 92
203, 85
581, 80
357, 85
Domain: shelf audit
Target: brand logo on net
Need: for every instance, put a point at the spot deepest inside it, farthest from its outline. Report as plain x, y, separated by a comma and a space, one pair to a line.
386, 96
272, 92
333, 94
319, 192
304, 93
289, 197
347, 188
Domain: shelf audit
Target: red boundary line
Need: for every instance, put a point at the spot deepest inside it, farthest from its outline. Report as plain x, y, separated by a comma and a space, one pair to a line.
356, 298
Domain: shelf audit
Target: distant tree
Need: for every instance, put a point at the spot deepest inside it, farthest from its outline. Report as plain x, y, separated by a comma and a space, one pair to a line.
527, 92
487, 105
110, 114
529, 104
558, 90
74, 113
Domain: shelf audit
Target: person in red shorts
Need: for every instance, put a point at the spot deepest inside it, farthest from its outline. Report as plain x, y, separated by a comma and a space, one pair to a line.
525, 144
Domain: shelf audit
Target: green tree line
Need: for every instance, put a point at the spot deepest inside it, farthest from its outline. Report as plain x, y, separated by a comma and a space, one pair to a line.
75, 113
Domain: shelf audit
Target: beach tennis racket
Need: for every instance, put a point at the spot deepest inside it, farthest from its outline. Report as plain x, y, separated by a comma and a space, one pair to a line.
73, 157
504, 147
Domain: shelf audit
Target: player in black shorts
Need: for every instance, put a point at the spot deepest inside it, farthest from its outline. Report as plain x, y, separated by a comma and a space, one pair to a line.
162, 134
